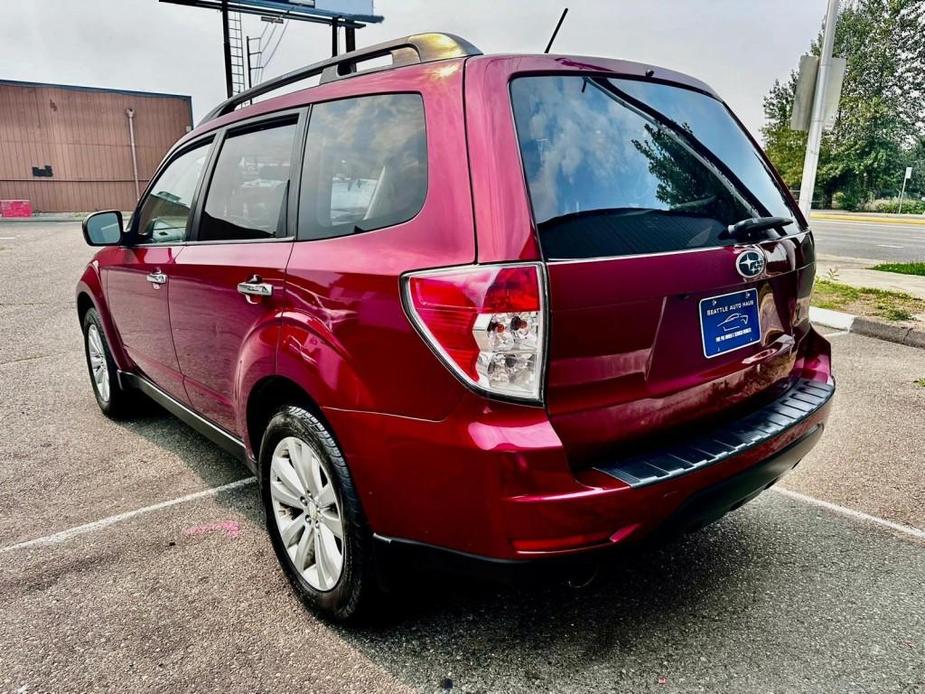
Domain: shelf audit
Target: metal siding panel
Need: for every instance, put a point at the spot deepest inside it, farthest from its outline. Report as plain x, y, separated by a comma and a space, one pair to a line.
86, 142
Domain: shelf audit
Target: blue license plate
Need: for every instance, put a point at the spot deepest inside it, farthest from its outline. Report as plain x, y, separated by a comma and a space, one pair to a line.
729, 322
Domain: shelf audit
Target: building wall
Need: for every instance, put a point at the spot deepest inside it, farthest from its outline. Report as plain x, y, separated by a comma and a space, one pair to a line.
83, 134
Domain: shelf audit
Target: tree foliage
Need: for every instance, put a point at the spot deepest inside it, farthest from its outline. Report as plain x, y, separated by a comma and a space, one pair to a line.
880, 127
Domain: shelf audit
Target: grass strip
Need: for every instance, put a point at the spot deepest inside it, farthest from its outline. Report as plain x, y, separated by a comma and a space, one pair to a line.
866, 301
917, 268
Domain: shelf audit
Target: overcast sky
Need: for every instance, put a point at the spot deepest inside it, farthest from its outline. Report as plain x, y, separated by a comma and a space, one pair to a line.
737, 46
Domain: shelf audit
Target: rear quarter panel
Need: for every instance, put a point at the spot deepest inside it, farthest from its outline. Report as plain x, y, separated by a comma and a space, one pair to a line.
344, 336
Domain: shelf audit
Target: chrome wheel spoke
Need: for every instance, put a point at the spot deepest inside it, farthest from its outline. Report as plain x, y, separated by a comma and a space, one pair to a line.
325, 497
282, 495
284, 473
331, 521
300, 455
320, 567
328, 558
306, 545
314, 467
291, 532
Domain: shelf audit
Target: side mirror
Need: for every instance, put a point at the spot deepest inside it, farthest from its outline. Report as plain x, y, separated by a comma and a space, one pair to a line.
103, 228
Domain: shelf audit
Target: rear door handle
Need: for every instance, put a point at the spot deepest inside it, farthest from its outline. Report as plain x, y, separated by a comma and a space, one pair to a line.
254, 287
157, 278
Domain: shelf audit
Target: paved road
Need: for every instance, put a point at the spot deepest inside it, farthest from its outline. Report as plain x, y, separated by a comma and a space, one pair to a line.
877, 241
780, 596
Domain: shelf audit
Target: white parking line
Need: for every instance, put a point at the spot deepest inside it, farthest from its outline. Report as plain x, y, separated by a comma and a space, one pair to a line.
59, 537
7, 238
112, 520
858, 515
888, 245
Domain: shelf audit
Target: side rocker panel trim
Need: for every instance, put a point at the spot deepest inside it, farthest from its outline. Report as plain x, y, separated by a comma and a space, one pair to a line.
211, 431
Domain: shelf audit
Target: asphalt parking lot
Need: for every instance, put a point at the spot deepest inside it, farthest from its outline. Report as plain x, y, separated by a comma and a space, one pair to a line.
783, 595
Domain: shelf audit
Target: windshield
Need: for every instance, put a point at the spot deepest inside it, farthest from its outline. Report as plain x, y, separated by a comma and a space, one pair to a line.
621, 167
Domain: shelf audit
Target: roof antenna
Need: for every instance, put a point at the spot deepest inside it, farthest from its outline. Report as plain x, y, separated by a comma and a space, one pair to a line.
556, 30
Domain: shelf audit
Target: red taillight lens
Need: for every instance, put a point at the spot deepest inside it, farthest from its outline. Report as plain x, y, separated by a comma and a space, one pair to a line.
486, 322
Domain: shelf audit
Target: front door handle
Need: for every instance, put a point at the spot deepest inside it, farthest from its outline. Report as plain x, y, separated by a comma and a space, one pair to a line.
157, 278
254, 287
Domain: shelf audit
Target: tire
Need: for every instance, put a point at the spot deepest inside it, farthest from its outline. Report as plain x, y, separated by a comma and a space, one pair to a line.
307, 491
112, 399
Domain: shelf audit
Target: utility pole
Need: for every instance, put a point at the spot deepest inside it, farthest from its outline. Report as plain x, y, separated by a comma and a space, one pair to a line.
902, 193
814, 137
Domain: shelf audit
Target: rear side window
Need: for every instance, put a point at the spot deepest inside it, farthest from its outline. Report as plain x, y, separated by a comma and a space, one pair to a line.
615, 167
249, 192
165, 213
365, 165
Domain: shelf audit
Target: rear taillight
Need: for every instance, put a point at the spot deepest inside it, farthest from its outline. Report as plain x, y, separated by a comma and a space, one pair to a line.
486, 322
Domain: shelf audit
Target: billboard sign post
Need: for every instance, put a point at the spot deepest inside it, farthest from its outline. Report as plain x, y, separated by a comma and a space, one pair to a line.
350, 14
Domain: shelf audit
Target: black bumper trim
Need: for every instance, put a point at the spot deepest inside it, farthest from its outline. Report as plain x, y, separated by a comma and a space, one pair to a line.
797, 404
718, 499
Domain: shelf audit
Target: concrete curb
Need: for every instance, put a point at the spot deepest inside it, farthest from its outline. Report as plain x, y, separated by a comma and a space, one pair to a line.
871, 217
52, 217
870, 327
38, 219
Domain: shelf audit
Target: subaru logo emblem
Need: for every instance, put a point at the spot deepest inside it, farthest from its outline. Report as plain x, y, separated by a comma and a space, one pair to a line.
750, 263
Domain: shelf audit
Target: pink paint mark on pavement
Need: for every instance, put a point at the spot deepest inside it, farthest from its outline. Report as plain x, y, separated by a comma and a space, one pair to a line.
230, 528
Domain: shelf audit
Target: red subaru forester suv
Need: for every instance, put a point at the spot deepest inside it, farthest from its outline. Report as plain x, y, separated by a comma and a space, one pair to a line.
495, 308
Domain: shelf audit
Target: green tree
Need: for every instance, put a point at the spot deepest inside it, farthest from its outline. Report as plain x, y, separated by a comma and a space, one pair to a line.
881, 120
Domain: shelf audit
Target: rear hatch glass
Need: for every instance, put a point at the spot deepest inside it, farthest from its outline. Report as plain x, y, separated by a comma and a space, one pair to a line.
633, 186
623, 167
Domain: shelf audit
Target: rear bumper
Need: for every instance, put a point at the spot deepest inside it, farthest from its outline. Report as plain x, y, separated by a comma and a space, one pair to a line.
494, 480
621, 509
700, 509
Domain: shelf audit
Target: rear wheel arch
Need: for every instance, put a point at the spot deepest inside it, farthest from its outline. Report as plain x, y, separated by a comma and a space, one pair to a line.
265, 400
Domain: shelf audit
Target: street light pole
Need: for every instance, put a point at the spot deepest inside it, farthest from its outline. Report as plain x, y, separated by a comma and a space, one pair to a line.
814, 137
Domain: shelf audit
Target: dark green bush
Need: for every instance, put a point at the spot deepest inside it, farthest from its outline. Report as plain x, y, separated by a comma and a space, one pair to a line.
891, 205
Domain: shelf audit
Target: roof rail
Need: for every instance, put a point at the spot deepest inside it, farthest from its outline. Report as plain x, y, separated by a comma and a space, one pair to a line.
409, 50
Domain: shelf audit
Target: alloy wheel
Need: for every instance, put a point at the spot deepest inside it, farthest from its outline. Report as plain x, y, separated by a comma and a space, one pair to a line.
98, 366
306, 512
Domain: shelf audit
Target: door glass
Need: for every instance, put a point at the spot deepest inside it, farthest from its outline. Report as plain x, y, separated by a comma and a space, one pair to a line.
249, 193
365, 165
165, 214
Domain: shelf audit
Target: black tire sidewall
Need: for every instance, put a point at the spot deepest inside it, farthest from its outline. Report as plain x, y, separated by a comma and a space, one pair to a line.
344, 600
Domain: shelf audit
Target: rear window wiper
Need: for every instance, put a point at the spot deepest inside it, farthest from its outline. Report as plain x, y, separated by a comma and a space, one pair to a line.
745, 227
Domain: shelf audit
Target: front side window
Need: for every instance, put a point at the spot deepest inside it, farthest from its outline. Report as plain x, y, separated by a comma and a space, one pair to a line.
249, 192
365, 165
165, 214
619, 167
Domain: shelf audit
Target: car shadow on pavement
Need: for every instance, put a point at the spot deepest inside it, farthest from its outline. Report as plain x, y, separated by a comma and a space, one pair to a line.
442, 628
206, 460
